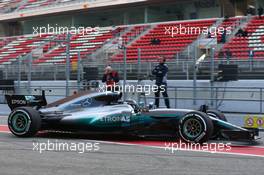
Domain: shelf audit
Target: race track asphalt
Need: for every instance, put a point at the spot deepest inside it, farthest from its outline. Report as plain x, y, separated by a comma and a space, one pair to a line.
19, 157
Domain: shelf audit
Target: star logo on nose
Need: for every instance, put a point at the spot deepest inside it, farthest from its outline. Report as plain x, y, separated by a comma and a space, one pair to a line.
87, 102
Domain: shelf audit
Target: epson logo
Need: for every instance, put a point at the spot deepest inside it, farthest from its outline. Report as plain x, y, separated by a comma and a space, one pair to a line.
19, 102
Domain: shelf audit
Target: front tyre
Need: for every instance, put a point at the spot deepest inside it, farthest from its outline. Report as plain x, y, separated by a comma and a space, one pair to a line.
195, 127
24, 121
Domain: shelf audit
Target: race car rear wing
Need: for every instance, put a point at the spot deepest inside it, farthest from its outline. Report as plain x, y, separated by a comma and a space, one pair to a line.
36, 101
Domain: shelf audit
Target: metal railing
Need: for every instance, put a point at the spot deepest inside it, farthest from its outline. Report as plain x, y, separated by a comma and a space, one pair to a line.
176, 68
228, 99
224, 98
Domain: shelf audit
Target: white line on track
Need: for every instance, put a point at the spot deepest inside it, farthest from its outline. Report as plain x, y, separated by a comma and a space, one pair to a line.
5, 132
161, 147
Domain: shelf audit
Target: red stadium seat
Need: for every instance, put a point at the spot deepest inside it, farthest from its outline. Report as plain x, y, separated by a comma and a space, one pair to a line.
240, 46
169, 46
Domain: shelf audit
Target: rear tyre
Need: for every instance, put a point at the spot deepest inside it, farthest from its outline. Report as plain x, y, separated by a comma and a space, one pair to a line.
196, 127
24, 122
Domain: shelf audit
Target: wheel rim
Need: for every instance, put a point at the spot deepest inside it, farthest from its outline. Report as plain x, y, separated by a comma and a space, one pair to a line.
20, 122
192, 128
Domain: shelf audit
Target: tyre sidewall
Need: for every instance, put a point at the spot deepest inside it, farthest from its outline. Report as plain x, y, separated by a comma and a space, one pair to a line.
205, 122
33, 121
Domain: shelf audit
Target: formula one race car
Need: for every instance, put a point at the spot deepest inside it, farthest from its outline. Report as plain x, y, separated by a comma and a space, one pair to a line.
106, 113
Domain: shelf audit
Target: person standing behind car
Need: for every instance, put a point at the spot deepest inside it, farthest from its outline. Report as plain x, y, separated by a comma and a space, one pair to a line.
223, 37
260, 12
160, 72
228, 54
110, 78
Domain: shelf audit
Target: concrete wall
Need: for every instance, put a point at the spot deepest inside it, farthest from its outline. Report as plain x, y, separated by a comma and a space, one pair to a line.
244, 100
240, 96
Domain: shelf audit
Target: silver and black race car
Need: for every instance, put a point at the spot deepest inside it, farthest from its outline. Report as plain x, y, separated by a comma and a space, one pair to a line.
106, 113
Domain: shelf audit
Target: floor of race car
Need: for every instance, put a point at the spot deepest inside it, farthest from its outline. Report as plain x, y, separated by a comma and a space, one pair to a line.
119, 156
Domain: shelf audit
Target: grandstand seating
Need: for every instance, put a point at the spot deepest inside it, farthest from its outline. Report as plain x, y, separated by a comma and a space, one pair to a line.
12, 48
169, 45
230, 22
86, 44
240, 46
2, 43
5, 41
20, 46
132, 33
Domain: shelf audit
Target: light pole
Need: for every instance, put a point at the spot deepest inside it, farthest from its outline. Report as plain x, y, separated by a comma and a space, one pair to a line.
212, 75
29, 72
79, 71
125, 73
67, 71
194, 77
19, 74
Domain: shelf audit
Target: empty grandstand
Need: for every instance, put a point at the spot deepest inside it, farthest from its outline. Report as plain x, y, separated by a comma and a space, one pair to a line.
241, 45
127, 32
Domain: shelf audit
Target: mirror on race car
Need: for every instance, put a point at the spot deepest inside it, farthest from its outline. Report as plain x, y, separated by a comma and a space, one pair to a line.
142, 107
141, 104
151, 105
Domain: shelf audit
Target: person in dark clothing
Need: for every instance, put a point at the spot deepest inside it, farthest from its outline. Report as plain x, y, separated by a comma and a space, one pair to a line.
248, 11
228, 55
226, 18
251, 10
155, 41
160, 72
223, 37
260, 12
110, 78
221, 54
152, 41
251, 53
239, 33
209, 35
245, 33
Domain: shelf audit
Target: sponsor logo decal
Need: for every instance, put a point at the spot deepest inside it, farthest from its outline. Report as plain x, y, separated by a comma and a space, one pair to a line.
256, 121
116, 119
19, 102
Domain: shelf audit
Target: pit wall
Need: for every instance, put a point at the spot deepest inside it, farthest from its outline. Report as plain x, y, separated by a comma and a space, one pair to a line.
240, 96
